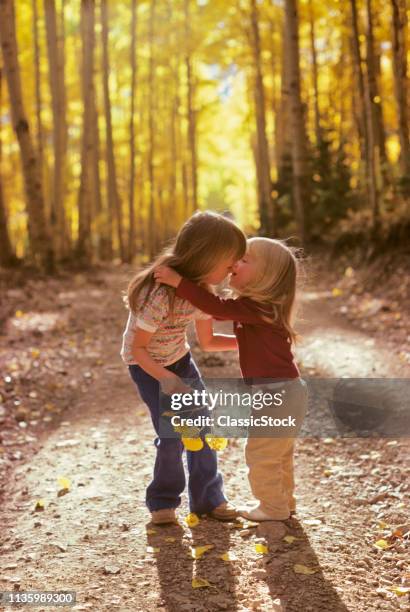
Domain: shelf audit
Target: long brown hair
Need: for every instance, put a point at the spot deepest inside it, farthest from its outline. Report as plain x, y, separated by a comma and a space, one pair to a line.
201, 243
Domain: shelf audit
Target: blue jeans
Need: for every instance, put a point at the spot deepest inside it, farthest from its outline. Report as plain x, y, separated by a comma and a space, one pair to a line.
205, 486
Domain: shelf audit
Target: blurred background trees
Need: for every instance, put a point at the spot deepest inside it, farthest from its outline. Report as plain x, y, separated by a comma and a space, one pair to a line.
119, 119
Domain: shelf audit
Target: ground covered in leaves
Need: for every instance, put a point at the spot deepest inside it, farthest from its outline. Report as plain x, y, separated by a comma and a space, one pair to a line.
76, 455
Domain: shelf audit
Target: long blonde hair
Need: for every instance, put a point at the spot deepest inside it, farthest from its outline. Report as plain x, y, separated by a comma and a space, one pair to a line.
274, 285
201, 243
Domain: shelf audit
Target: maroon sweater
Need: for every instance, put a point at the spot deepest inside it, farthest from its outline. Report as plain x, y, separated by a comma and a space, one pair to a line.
264, 349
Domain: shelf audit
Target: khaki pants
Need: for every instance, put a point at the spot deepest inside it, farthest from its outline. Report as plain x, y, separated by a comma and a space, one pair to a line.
270, 459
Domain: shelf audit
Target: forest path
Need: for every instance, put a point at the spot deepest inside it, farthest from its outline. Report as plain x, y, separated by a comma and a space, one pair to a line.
96, 539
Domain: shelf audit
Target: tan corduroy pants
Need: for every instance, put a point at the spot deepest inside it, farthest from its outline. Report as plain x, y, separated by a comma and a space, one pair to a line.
269, 450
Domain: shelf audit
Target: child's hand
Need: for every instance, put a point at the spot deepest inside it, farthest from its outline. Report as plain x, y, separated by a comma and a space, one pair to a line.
173, 384
168, 276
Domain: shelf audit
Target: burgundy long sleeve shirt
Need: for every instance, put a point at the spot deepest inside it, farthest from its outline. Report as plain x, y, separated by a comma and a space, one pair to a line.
264, 348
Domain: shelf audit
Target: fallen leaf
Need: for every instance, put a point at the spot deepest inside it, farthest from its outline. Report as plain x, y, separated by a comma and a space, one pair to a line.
261, 549
152, 549
112, 569
192, 519
303, 569
198, 583
398, 590
382, 525
336, 292
169, 539
151, 531
229, 556
198, 551
290, 539
65, 483
39, 507
382, 544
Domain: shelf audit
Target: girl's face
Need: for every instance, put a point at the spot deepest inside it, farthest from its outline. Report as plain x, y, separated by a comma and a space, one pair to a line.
243, 271
220, 271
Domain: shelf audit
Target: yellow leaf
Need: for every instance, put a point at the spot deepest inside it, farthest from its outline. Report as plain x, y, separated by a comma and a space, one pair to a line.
336, 292
198, 551
151, 531
153, 549
192, 519
327, 473
193, 444
198, 583
261, 549
382, 525
382, 544
228, 556
349, 272
399, 590
169, 539
217, 444
290, 539
18, 314
303, 569
35, 353
65, 483
39, 505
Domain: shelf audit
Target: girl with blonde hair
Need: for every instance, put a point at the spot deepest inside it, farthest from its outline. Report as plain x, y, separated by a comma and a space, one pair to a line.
157, 353
264, 281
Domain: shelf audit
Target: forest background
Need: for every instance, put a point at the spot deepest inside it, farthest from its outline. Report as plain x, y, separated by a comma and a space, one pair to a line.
120, 119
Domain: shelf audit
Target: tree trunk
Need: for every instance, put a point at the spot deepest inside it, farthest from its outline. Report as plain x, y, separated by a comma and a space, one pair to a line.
152, 237
7, 256
173, 124
113, 195
39, 103
399, 25
374, 102
263, 171
300, 163
318, 129
191, 114
57, 87
283, 139
134, 68
365, 117
275, 106
40, 244
85, 194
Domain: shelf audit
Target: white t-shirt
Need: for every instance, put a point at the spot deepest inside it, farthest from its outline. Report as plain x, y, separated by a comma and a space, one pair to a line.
169, 342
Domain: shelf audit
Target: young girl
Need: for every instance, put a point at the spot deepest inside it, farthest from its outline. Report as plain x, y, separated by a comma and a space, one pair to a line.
158, 356
265, 281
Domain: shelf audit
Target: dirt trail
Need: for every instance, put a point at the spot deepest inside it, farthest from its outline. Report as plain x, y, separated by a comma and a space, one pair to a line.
96, 539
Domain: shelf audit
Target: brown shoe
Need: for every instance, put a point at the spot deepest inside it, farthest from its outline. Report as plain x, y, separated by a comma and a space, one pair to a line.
224, 512
164, 516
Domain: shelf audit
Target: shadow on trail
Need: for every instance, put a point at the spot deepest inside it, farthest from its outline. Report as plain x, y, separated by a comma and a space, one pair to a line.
177, 567
291, 591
